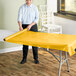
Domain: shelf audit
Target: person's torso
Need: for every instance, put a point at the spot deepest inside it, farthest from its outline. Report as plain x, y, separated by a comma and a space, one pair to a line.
28, 14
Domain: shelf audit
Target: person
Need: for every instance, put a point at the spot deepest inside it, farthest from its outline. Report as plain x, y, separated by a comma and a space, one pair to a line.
28, 17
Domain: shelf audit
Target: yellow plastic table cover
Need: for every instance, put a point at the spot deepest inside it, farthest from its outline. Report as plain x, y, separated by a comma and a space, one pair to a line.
62, 42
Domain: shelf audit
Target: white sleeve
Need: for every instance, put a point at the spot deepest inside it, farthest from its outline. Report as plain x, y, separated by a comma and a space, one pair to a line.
20, 14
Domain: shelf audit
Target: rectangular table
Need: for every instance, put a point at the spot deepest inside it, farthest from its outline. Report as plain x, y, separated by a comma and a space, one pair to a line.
61, 42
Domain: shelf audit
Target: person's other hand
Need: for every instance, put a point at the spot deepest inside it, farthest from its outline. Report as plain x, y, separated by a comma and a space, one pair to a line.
29, 27
21, 28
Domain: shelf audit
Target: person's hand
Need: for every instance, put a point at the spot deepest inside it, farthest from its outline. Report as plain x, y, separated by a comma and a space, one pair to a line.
29, 27
21, 28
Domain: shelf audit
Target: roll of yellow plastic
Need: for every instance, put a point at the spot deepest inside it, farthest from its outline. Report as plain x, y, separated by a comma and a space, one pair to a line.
62, 42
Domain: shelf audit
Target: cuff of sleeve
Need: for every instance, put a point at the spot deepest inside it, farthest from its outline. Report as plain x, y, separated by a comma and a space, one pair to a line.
19, 20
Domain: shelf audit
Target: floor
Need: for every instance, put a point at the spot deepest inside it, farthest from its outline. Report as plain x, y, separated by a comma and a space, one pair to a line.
10, 64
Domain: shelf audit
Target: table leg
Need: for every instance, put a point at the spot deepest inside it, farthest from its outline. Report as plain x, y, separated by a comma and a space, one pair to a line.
60, 60
67, 61
60, 63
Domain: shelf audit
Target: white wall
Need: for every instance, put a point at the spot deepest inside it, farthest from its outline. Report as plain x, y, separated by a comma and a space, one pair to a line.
9, 13
8, 18
52, 4
69, 26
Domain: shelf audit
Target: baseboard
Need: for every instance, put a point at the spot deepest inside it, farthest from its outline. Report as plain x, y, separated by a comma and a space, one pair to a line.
18, 48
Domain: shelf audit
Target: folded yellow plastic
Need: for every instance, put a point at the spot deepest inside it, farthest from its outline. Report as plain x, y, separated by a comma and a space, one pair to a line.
62, 42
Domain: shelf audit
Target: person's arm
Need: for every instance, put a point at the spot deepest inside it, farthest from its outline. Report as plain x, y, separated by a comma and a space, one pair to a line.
29, 26
20, 26
36, 19
20, 19
36, 16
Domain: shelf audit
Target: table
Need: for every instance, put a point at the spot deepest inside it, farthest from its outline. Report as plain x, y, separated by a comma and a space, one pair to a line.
61, 42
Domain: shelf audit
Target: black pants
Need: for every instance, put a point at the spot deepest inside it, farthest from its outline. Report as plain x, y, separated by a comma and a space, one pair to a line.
25, 47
